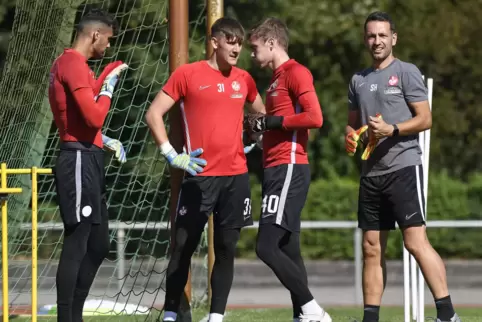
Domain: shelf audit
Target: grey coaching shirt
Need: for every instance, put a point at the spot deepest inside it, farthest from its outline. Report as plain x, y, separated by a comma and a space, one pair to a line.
387, 91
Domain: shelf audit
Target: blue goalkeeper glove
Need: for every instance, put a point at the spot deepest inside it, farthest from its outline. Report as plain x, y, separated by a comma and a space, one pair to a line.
116, 147
110, 81
184, 161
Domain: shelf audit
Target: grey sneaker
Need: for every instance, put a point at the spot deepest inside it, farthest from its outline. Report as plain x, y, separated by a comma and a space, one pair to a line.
454, 318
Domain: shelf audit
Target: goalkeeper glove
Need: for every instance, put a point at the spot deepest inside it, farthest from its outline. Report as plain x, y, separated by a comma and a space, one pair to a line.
255, 123
372, 143
116, 147
187, 162
110, 80
352, 139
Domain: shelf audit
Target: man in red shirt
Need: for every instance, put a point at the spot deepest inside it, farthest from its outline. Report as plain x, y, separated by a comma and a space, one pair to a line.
79, 105
292, 108
212, 96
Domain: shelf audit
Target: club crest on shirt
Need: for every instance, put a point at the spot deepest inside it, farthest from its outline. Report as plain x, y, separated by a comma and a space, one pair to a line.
392, 86
272, 88
236, 87
393, 81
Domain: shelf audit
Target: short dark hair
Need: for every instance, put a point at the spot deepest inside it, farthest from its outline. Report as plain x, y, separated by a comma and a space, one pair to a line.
271, 28
229, 28
97, 16
380, 16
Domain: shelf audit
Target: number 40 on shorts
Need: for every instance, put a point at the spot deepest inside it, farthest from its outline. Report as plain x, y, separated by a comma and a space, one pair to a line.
270, 204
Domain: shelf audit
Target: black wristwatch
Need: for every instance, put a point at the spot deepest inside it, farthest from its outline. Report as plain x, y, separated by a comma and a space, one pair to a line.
395, 130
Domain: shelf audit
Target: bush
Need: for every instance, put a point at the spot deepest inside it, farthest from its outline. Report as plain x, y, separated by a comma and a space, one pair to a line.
448, 199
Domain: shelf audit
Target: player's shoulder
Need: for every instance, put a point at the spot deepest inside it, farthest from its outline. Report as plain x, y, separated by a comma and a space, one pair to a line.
190, 67
360, 76
295, 67
239, 72
404, 66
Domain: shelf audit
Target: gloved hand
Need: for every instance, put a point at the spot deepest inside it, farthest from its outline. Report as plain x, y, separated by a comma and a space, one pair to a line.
352, 139
110, 81
100, 80
249, 141
116, 147
258, 122
184, 161
372, 143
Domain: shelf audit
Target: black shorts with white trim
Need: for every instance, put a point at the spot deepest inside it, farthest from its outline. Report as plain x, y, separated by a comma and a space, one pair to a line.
80, 183
285, 189
392, 197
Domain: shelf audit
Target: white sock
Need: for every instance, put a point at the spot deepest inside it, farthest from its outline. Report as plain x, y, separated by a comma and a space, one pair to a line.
312, 308
169, 316
215, 317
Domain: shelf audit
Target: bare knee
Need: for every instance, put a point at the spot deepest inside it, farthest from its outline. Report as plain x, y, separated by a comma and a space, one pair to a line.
415, 240
374, 243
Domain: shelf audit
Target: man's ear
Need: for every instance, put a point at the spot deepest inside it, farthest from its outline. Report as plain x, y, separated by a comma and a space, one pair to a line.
271, 42
214, 42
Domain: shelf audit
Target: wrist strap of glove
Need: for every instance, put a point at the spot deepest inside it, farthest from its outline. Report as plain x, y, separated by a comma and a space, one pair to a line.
167, 150
274, 122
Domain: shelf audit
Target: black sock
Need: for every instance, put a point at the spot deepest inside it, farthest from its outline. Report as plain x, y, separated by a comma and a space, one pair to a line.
371, 313
445, 310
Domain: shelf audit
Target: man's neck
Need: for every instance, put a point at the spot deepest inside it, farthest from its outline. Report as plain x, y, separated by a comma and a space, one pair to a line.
82, 48
377, 65
279, 59
222, 66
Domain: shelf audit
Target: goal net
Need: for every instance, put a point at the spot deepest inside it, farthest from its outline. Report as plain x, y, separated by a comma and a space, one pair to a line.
132, 278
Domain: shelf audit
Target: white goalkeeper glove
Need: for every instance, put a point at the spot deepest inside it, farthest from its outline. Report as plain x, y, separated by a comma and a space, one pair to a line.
116, 147
110, 81
184, 161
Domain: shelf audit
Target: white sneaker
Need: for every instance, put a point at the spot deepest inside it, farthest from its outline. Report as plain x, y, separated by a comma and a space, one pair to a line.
324, 317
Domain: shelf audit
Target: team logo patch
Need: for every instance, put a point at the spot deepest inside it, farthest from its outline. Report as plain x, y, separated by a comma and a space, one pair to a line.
236, 86
273, 86
393, 81
182, 211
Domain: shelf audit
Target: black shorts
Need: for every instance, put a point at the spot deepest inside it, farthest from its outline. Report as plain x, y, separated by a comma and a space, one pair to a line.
392, 197
227, 198
285, 189
80, 183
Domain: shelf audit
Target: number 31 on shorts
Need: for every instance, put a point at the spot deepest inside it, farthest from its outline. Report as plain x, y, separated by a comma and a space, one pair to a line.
270, 204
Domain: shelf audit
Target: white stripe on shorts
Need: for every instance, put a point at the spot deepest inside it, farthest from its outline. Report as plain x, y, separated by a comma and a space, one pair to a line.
284, 194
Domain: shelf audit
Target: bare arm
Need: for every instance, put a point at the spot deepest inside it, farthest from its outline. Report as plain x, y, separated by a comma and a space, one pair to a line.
420, 122
154, 118
257, 106
353, 121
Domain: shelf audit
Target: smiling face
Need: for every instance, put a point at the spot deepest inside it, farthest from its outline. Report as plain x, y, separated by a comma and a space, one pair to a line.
379, 40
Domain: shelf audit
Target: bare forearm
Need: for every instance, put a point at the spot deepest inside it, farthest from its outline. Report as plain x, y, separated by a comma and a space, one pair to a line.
415, 125
156, 124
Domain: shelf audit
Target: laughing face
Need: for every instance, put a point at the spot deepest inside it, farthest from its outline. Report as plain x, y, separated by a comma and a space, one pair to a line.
379, 39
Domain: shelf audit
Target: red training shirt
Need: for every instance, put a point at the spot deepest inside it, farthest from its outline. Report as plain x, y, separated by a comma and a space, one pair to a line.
77, 115
291, 94
212, 108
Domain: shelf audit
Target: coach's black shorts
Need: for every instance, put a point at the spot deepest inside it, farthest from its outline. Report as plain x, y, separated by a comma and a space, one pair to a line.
285, 189
227, 198
80, 183
392, 197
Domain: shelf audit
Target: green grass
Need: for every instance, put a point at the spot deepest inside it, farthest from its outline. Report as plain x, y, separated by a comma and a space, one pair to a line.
280, 315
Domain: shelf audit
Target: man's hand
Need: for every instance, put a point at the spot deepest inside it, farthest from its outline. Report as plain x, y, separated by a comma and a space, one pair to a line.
187, 162
110, 81
352, 139
379, 128
258, 122
116, 147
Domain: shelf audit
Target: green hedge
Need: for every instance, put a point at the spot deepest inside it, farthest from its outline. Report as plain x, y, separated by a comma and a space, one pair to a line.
448, 199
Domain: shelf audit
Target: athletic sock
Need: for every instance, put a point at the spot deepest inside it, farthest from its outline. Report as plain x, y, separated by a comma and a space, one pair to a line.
445, 309
215, 317
169, 316
371, 313
312, 308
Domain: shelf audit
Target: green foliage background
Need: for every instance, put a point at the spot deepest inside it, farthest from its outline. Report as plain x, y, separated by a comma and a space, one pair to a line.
439, 36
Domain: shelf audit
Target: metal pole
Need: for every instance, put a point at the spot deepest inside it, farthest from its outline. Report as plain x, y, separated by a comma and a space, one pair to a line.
358, 265
178, 55
5, 281
120, 258
34, 243
215, 10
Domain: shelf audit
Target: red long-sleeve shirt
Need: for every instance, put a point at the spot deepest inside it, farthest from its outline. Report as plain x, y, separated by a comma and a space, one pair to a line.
291, 95
77, 115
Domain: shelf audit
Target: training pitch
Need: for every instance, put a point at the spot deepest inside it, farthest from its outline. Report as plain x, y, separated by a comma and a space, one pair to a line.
279, 315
